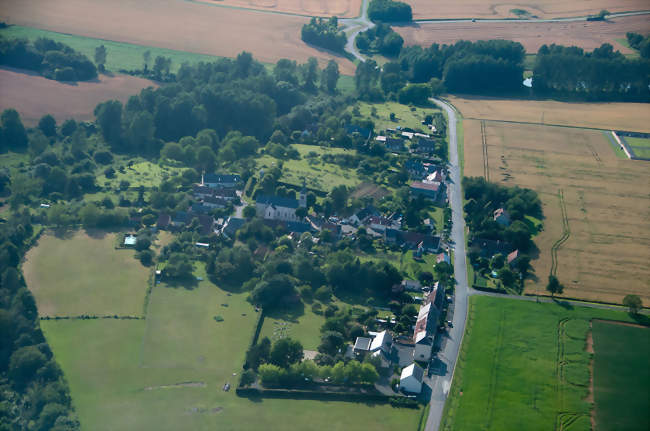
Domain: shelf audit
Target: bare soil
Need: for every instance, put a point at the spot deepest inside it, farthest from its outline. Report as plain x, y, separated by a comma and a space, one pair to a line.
325, 8
427, 9
587, 35
174, 24
34, 96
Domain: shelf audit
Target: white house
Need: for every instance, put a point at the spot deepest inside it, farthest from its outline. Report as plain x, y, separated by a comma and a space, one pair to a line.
277, 208
382, 341
411, 379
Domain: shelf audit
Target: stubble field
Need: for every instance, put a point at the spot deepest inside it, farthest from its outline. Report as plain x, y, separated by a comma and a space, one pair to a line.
532, 35
34, 96
598, 201
426, 9
174, 24
325, 8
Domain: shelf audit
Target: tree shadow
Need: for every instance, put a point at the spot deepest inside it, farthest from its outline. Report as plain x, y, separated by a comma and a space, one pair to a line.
63, 232
188, 283
290, 314
641, 319
564, 304
101, 233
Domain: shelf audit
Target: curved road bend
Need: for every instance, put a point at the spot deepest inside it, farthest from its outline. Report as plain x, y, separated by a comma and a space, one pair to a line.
448, 354
354, 26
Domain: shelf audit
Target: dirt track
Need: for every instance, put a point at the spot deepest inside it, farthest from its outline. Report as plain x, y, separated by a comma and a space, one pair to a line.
34, 96
587, 35
427, 9
173, 24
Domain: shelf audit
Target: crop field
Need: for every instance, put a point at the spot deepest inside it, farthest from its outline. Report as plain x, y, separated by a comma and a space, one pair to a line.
524, 365
621, 376
340, 8
531, 35
596, 235
174, 24
640, 146
404, 116
318, 175
427, 9
34, 96
607, 116
62, 273
167, 372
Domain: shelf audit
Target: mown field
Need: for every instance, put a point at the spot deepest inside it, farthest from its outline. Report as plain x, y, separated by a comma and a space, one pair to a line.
607, 116
174, 24
34, 96
166, 372
83, 273
426, 9
524, 366
317, 174
599, 200
340, 8
640, 146
621, 376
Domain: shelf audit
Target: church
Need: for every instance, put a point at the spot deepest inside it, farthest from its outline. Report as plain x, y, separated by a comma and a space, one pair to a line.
280, 208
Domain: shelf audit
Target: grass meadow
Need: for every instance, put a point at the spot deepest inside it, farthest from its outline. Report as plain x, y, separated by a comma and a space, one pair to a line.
621, 376
167, 371
641, 146
63, 274
303, 326
524, 365
404, 116
599, 199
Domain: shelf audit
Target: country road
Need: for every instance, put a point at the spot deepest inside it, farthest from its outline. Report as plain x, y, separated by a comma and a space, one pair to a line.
354, 26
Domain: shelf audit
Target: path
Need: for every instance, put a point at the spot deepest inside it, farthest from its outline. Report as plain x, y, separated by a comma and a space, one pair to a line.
448, 354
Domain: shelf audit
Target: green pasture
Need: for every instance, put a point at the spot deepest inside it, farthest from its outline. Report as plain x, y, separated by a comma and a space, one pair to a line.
141, 173
524, 365
621, 377
318, 175
79, 273
167, 372
641, 146
403, 115
302, 325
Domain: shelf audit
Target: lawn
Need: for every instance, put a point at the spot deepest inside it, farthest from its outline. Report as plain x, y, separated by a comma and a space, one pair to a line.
640, 146
621, 377
142, 173
318, 175
303, 325
167, 372
524, 365
404, 116
62, 273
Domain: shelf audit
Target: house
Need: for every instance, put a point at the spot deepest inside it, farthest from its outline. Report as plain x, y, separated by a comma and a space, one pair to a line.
180, 219
408, 135
489, 247
214, 202
513, 258
361, 216
227, 194
443, 257
277, 208
206, 223
200, 192
362, 345
382, 341
411, 379
351, 129
413, 240
335, 229
163, 222
415, 168
428, 190
231, 226
411, 285
380, 138
424, 332
502, 217
380, 224
214, 181
394, 144
425, 146
130, 240
437, 176
379, 346
435, 296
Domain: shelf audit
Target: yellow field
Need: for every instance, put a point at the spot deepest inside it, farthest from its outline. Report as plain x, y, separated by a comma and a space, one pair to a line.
340, 8
606, 201
617, 116
426, 9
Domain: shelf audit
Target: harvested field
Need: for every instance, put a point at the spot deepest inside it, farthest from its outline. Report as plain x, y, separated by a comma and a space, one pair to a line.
427, 9
601, 201
174, 24
608, 116
340, 8
34, 96
531, 35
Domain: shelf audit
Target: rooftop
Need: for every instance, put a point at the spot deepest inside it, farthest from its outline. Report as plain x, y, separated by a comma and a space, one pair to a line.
362, 343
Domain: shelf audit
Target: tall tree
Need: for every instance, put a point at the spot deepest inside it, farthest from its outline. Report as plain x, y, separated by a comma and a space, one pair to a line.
100, 58
330, 76
554, 286
285, 352
47, 124
633, 303
13, 136
109, 118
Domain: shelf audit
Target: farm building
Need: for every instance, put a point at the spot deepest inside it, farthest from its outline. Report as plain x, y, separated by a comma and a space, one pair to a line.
411, 379
130, 240
428, 190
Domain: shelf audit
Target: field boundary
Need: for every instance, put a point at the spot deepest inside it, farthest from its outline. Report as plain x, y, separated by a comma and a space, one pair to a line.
626, 146
566, 232
486, 165
534, 123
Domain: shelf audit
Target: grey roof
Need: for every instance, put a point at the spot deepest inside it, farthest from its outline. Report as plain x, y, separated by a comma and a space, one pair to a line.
278, 201
221, 178
362, 343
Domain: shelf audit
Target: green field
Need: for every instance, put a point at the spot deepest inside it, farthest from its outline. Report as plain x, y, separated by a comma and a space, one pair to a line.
318, 175
167, 372
304, 327
403, 115
621, 377
62, 273
523, 366
142, 173
641, 146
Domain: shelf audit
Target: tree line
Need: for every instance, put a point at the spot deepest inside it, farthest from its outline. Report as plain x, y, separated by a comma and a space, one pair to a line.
324, 33
53, 60
389, 11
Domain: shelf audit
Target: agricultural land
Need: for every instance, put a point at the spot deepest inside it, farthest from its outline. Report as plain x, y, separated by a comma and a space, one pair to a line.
340, 8
595, 236
621, 376
640, 146
532, 35
486, 9
215, 30
166, 372
34, 96
525, 365
62, 273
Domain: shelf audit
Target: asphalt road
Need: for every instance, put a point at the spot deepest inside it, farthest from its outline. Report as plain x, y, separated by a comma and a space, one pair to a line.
449, 351
354, 26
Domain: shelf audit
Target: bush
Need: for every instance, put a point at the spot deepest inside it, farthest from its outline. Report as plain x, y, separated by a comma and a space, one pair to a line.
317, 307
